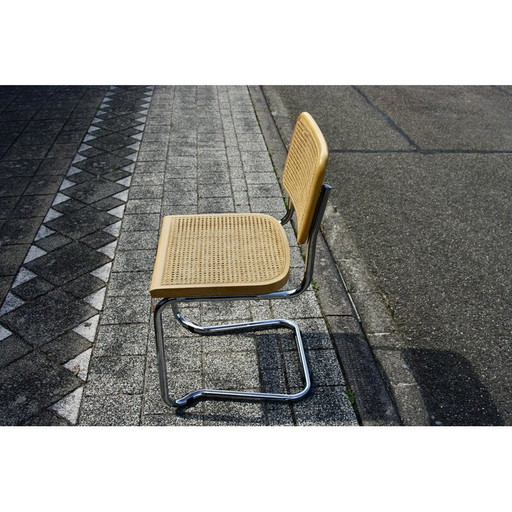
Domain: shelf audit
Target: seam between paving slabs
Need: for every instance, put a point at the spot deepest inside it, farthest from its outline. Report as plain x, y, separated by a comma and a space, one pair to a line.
81, 230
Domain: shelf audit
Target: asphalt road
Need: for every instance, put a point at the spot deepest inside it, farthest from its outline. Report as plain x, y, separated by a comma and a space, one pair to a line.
422, 177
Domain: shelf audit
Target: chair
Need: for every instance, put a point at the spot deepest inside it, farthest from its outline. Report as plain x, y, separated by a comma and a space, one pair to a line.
242, 256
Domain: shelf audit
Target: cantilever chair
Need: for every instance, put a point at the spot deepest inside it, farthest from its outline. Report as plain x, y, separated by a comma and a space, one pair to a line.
242, 256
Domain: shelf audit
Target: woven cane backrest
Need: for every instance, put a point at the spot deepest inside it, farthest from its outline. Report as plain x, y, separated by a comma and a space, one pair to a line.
304, 171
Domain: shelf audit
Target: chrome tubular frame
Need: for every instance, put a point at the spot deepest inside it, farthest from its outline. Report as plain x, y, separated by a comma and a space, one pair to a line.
243, 326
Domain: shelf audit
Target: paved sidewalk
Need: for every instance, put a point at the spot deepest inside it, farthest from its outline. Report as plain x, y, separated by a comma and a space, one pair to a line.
79, 305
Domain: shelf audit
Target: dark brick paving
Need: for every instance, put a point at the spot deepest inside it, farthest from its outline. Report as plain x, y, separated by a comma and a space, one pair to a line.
77, 164
41, 129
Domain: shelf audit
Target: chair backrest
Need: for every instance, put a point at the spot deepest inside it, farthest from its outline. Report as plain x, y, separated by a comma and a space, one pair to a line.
304, 171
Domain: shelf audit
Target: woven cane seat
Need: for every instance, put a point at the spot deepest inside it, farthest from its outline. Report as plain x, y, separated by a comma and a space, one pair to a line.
220, 255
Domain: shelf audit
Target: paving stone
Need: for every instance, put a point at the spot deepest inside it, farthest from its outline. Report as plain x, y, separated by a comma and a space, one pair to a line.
32, 206
216, 205
180, 384
19, 231
9, 188
126, 310
146, 192
220, 311
59, 150
272, 206
11, 256
90, 151
134, 261
70, 136
148, 178
188, 197
304, 306
111, 142
93, 190
7, 204
5, 285
214, 190
139, 240
53, 242
23, 152
68, 206
150, 167
278, 414
12, 348
66, 263
229, 343
19, 169
111, 410
323, 365
81, 222
38, 125
98, 239
183, 354
116, 175
231, 371
325, 406
116, 375
269, 353
43, 185
33, 288
219, 413
315, 335
66, 347
103, 163
119, 340
129, 283
118, 124
84, 286
80, 176
142, 222
46, 418
274, 381
57, 166
108, 204
47, 317
31, 384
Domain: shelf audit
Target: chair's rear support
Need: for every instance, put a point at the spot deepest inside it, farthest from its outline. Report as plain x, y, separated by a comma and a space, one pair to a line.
224, 329
243, 326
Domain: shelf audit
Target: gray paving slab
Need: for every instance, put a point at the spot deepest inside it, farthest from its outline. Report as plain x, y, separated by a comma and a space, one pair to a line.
431, 239
448, 117
343, 114
452, 265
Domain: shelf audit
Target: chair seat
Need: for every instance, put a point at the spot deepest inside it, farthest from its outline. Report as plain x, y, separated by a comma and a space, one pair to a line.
220, 255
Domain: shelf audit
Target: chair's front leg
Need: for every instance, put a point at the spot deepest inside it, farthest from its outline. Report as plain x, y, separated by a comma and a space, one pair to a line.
160, 351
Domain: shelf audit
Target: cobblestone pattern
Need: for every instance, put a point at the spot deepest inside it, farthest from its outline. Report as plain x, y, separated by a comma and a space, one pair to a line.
202, 151
53, 308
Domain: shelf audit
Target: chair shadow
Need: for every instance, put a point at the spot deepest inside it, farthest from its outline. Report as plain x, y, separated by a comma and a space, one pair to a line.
452, 389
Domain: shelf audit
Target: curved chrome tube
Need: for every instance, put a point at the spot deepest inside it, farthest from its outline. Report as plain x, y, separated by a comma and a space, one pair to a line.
219, 329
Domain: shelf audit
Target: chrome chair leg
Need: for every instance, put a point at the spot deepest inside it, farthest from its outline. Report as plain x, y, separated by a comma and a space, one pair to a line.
224, 329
